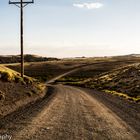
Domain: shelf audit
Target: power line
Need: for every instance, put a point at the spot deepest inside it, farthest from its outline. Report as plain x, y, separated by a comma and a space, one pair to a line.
21, 4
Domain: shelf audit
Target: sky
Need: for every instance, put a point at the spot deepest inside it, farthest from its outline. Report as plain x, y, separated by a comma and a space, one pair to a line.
72, 28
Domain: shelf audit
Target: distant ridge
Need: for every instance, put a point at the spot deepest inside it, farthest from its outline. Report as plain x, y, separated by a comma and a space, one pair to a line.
135, 55
27, 58
125, 56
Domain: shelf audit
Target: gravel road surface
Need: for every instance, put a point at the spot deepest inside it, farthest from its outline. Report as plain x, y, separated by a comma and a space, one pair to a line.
70, 113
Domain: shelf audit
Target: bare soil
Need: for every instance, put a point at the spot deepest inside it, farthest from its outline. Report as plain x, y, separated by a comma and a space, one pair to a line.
14, 95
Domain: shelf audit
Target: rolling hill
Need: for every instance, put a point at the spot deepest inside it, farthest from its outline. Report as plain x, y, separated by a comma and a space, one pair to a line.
121, 78
27, 58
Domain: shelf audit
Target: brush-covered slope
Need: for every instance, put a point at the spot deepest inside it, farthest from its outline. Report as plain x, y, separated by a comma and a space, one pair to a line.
15, 92
124, 80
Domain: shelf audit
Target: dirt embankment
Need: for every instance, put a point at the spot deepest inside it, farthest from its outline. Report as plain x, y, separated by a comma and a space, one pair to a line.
16, 92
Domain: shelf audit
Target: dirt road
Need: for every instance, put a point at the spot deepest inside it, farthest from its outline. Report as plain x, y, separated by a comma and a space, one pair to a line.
60, 76
67, 73
70, 113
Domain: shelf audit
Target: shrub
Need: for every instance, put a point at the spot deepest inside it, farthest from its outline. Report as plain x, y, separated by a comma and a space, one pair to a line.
6, 76
28, 80
19, 79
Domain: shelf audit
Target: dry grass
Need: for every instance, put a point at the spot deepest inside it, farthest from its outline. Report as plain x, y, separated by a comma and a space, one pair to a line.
44, 71
120, 76
123, 95
9, 75
114, 74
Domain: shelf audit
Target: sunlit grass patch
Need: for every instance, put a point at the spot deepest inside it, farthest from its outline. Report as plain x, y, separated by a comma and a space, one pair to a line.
41, 86
8, 75
136, 99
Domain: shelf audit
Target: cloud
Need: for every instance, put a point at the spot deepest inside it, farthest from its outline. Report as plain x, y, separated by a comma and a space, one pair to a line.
94, 5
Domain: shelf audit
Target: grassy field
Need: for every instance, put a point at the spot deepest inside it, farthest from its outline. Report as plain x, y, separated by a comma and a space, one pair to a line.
99, 68
49, 69
116, 75
44, 71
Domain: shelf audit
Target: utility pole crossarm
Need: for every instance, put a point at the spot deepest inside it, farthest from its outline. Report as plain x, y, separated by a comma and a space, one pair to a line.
28, 2
18, 3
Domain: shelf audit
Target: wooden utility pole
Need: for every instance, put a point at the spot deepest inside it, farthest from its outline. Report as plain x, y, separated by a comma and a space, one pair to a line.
21, 39
21, 4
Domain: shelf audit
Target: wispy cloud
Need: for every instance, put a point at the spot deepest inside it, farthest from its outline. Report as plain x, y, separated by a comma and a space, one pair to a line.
94, 5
